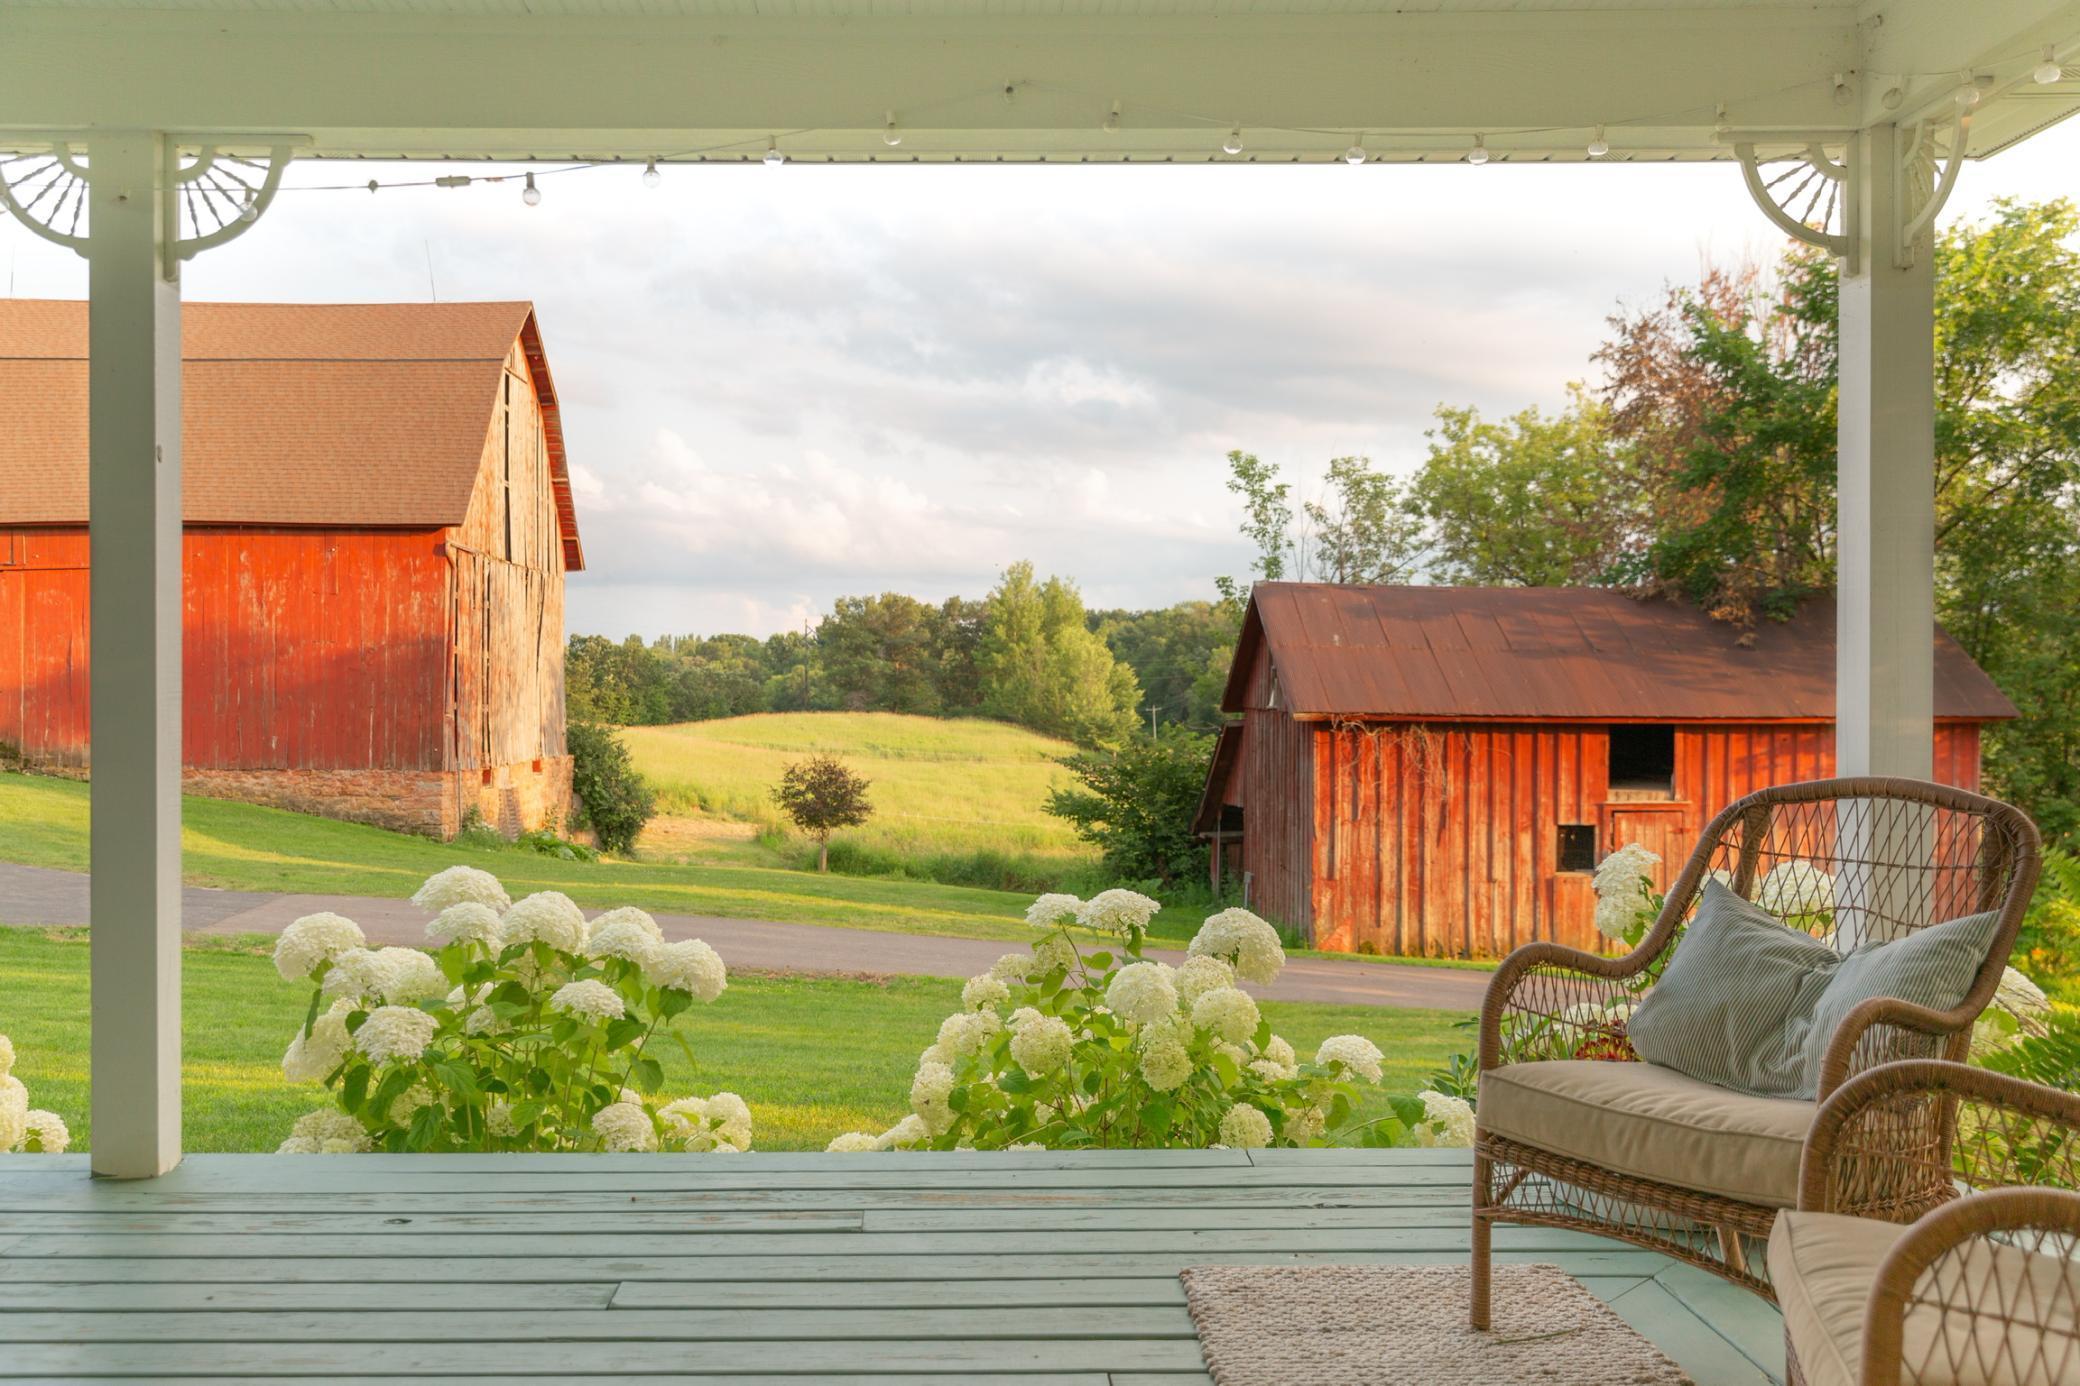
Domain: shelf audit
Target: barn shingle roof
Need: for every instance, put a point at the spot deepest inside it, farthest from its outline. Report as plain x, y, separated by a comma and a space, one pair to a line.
336, 415
1554, 654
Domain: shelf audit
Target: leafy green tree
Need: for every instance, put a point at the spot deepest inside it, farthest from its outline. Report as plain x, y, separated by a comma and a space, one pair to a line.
613, 800
1170, 651
1136, 804
1040, 665
1359, 531
1530, 501
821, 795
878, 654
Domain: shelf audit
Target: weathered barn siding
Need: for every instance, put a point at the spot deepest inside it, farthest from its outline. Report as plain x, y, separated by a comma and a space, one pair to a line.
1441, 839
43, 647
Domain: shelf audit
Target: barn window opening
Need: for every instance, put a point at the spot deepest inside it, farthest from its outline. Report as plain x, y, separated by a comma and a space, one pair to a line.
1577, 850
1643, 762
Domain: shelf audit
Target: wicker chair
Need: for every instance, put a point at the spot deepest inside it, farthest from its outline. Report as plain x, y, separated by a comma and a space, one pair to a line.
1982, 1285
1573, 1132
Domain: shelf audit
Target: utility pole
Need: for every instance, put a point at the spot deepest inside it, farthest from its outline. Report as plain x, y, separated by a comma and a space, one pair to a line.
1152, 720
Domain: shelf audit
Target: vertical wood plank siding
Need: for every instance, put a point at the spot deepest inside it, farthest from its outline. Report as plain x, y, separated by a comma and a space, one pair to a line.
1441, 839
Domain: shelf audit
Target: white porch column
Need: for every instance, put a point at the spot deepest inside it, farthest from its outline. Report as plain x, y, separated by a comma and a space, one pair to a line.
134, 495
1885, 615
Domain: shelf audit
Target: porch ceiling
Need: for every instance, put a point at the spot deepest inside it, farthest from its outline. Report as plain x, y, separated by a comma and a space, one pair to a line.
714, 79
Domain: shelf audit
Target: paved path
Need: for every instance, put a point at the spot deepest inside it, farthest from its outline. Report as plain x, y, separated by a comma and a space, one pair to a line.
36, 895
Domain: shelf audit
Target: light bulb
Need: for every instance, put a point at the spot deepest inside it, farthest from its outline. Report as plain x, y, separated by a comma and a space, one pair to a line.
251, 211
531, 194
1478, 155
1967, 96
651, 177
774, 158
890, 136
1233, 143
1599, 146
1355, 155
2049, 70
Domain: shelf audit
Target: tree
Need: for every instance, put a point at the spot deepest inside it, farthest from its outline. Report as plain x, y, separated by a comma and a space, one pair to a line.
1136, 804
613, 800
1531, 501
1360, 531
878, 654
1040, 665
1171, 651
821, 795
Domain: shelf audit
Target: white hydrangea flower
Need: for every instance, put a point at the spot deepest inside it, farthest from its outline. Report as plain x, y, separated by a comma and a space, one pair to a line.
1121, 912
690, 966
498, 1118
14, 1111
393, 975
1312, 1123
1041, 1045
1027, 1145
982, 991
547, 916
44, 1133
1622, 882
461, 885
591, 998
1356, 1053
1796, 888
329, 1124
1054, 951
962, 1034
408, 1103
629, 914
624, 939
1022, 1015
1142, 992
732, 1118
1242, 938
1165, 1062
336, 1148
624, 1127
1227, 1012
1245, 1128
472, 921
297, 1145
910, 1131
311, 1057
1012, 967
394, 1032
1050, 910
1448, 1121
6, 1056
1281, 1053
929, 1092
1200, 975
850, 1142
312, 941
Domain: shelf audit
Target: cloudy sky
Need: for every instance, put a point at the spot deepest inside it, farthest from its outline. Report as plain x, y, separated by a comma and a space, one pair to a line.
781, 385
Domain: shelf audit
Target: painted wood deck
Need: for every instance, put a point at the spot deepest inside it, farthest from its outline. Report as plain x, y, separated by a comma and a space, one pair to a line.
1040, 1269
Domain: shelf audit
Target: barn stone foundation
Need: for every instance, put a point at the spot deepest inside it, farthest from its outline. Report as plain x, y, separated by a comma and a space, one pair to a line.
511, 798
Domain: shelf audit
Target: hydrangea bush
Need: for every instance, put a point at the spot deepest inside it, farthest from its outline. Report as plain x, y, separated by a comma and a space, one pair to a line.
25, 1130
1089, 1045
525, 1027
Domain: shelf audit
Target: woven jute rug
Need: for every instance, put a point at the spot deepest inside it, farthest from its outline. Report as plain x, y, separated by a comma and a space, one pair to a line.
1404, 1325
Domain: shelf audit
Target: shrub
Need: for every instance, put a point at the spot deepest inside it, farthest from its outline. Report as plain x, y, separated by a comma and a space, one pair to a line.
2049, 944
524, 1029
1136, 804
819, 796
25, 1130
614, 800
1066, 1048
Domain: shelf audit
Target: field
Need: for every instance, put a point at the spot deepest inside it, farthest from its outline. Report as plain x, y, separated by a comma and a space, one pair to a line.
955, 800
813, 1057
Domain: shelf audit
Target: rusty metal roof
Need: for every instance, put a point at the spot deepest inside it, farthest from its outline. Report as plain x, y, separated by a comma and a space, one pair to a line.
1580, 654
340, 415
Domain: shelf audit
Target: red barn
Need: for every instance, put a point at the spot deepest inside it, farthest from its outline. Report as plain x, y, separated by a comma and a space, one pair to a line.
378, 523
1437, 770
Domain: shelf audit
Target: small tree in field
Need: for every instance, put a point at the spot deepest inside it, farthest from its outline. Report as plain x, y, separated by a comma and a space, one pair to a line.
820, 795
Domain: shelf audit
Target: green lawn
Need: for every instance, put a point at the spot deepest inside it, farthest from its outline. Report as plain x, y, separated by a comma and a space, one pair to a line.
955, 799
813, 1057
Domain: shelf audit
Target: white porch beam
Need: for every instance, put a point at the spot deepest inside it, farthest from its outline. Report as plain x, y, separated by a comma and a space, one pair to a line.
1885, 650
134, 514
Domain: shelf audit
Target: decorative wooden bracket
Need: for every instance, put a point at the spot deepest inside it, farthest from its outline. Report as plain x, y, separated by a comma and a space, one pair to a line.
214, 192
1813, 189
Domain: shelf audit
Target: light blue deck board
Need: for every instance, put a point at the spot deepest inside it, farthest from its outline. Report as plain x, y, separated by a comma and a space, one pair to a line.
1036, 1270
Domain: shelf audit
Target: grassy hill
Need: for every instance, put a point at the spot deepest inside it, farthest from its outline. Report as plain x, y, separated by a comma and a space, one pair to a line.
955, 800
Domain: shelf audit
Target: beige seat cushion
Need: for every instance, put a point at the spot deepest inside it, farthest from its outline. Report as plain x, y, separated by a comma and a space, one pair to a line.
1654, 1123
1823, 1266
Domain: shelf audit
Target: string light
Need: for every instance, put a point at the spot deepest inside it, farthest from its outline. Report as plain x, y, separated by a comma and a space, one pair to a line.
453, 180
1233, 143
890, 136
531, 194
774, 158
1355, 155
1478, 155
1598, 145
2049, 70
251, 211
372, 186
1967, 96
1112, 120
651, 177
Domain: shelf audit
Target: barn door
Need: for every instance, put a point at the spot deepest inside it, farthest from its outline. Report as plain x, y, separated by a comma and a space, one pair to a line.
1659, 828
